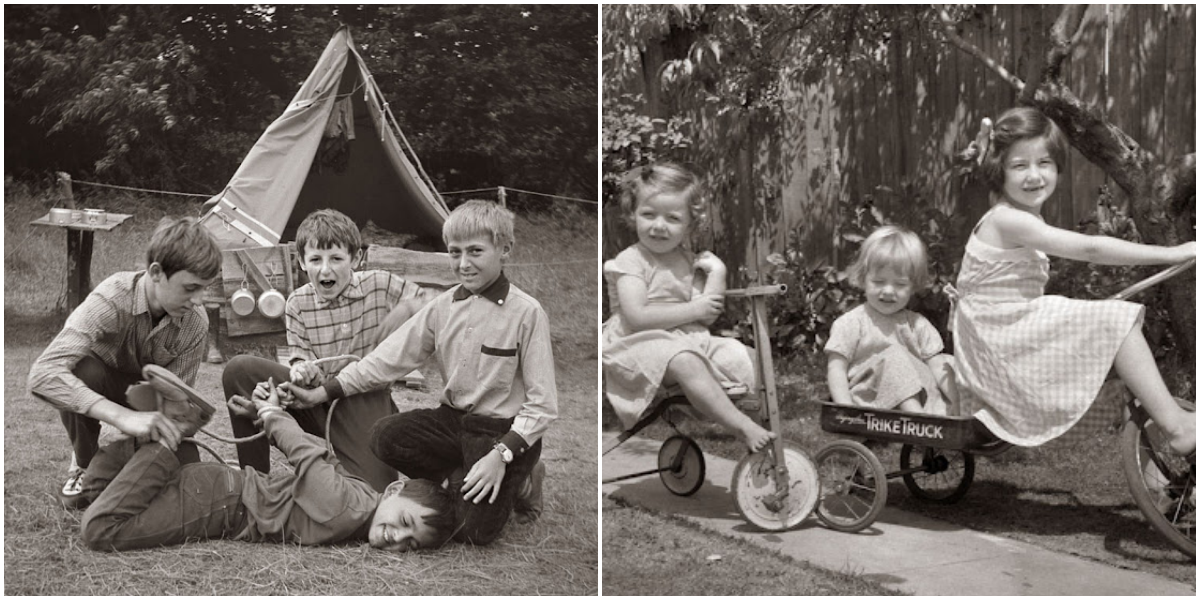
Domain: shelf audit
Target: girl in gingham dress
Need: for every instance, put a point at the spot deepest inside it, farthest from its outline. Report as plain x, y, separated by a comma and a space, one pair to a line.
663, 299
1030, 365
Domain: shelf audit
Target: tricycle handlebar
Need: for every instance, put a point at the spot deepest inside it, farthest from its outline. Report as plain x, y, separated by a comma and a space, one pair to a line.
1153, 280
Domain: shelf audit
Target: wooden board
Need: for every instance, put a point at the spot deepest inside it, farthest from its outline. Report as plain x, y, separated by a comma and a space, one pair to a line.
112, 220
423, 268
274, 264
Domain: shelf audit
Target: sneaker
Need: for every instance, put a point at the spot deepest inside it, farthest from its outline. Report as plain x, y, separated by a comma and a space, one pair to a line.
529, 499
72, 491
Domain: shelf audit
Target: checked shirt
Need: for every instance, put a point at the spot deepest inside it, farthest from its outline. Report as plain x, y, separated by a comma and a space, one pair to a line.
347, 324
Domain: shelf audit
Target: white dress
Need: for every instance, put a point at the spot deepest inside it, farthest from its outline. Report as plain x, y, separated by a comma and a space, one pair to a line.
887, 357
1029, 365
636, 362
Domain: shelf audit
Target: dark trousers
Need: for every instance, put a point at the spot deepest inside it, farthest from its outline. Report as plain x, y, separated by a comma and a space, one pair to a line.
143, 497
352, 421
84, 431
444, 443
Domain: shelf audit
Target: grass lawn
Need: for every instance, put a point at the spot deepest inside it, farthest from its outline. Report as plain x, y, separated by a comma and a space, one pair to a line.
42, 552
658, 555
1068, 496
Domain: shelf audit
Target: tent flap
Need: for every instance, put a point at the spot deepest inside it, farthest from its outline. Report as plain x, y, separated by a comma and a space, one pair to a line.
361, 171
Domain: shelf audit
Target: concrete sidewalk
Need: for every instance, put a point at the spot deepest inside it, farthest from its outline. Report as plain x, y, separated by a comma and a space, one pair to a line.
902, 551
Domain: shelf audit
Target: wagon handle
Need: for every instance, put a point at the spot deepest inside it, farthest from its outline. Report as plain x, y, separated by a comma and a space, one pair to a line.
1153, 280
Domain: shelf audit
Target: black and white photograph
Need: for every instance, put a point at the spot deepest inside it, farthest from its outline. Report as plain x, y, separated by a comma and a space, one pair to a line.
301, 300
898, 300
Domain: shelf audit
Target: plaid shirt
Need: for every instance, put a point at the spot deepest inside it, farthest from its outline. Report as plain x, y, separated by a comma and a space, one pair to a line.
115, 325
347, 324
493, 350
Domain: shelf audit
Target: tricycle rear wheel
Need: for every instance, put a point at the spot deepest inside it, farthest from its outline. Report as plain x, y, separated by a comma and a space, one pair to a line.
938, 475
682, 465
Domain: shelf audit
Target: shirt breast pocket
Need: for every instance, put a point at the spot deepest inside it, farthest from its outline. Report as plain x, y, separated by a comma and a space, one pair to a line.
497, 367
163, 356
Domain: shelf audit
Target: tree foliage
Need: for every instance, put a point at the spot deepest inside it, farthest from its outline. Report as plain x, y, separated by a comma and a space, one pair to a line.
719, 76
174, 95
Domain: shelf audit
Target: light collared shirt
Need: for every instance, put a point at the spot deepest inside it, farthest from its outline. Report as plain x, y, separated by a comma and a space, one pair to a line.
115, 325
493, 350
347, 324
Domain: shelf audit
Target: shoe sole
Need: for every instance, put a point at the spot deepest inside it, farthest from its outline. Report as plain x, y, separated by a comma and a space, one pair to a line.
156, 374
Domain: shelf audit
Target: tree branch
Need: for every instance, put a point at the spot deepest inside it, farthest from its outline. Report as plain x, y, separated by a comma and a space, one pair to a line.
1063, 35
1098, 140
948, 28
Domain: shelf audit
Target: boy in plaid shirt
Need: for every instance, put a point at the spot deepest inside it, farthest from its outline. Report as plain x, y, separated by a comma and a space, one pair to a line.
132, 319
339, 311
492, 342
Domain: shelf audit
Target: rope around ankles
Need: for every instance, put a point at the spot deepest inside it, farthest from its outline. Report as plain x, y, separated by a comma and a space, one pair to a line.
328, 416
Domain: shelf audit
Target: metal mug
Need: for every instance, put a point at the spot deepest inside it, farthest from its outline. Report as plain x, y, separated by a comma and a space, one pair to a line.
242, 301
271, 303
60, 216
95, 216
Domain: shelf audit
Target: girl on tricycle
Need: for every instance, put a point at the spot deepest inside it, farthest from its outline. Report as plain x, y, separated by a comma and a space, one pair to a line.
1030, 365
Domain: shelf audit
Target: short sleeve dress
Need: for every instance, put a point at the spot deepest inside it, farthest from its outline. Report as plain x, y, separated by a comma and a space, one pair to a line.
636, 362
886, 355
1028, 366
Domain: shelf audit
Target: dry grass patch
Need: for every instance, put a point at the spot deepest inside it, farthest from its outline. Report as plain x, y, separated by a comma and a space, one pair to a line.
42, 552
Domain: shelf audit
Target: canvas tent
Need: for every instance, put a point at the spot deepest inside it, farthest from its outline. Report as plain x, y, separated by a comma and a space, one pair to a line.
336, 145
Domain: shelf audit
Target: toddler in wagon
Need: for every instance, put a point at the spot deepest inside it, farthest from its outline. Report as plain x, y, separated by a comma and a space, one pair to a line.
881, 354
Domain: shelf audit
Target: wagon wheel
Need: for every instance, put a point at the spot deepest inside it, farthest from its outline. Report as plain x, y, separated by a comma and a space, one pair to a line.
935, 474
754, 488
681, 465
1163, 484
853, 486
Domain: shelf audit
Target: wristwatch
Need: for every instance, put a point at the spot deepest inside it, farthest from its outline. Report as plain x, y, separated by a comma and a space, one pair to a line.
506, 455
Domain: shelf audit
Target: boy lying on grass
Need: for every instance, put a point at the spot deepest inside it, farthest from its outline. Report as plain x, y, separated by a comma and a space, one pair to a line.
143, 495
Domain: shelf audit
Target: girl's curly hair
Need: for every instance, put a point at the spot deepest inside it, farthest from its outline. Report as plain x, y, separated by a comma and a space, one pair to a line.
662, 178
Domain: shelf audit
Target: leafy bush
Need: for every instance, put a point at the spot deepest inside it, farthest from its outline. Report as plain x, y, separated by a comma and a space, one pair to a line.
800, 319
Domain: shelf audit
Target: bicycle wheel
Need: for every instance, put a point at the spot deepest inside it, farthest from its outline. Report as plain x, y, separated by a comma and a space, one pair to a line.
853, 486
944, 477
1163, 484
682, 464
754, 488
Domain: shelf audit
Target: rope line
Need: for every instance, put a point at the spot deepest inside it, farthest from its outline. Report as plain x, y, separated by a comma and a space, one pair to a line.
134, 189
470, 191
552, 196
328, 416
565, 262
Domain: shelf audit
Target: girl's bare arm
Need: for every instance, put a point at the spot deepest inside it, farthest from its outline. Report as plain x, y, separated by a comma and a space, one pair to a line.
1019, 228
838, 378
639, 314
710, 279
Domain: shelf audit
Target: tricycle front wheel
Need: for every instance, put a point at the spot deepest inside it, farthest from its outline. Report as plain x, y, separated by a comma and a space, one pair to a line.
758, 497
1163, 484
